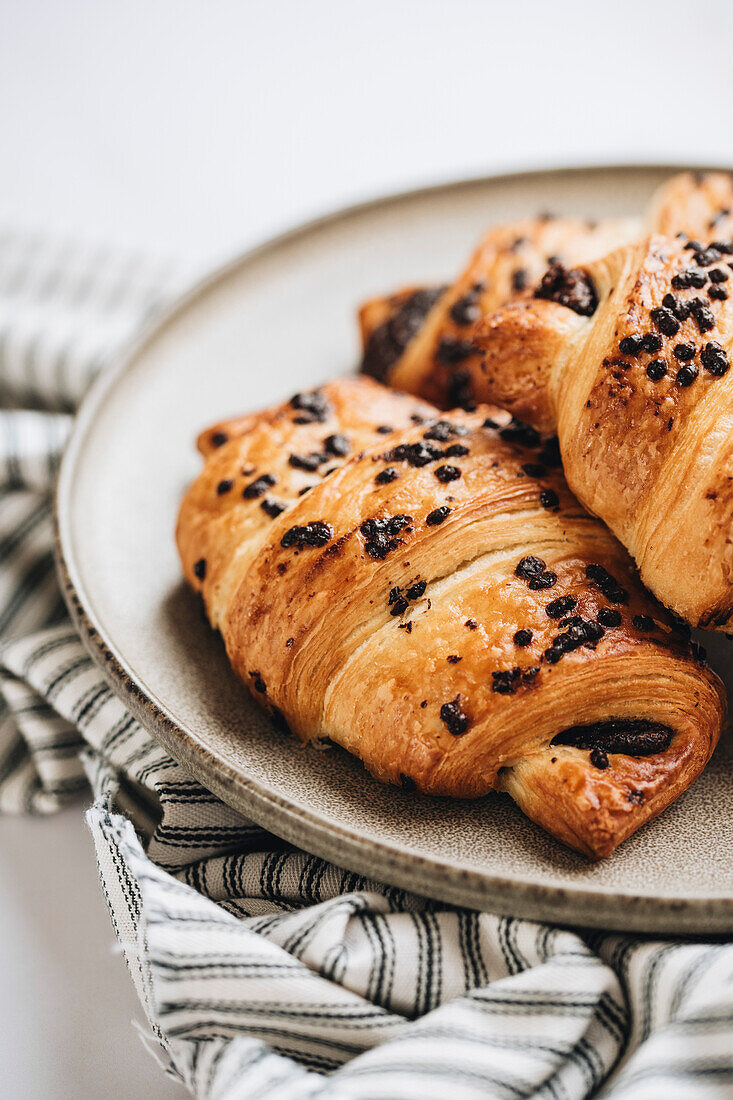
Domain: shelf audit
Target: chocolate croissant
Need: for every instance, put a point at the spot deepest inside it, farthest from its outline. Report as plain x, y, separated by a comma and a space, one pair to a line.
419, 339
424, 591
626, 358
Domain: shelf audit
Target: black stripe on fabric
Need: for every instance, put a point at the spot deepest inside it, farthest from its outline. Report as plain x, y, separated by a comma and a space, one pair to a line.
676, 1074
646, 1008
354, 1017
23, 530
613, 1017
37, 572
67, 639
294, 1043
67, 672
420, 969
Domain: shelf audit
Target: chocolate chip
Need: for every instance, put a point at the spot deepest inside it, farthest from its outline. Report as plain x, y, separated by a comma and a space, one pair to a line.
454, 717
549, 499
609, 616
259, 487
447, 473
314, 405
456, 450
381, 534
273, 508
703, 315
692, 277
337, 445
309, 462
437, 516
529, 567
631, 345
651, 342
572, 288
607, 583
644, 622
665, 321
718, 293
224, 486
599, 759
559, 607
454, 659
677, 306
471, 624
572, 620
399, 605
707, 257
414, 454
506, 682
386, 476
548, 579
442, 431
714, 359
523, 638
218, 439
384, 429
684, 352
316, 533
416, 590
686, 375
520, 279
656, 369
199, 568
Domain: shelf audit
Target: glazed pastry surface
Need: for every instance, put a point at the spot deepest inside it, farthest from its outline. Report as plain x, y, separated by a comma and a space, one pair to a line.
627, 358
423, 590
420, 339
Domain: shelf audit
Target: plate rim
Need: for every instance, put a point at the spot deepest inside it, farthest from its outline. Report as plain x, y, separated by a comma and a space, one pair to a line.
511, 895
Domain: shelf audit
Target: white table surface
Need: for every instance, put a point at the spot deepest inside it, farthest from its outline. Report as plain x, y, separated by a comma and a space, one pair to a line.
192, 129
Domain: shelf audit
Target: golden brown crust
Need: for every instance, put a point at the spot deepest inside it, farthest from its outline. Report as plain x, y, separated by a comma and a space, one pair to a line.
646, 437
698, 204
509, 262
649, 455
365, 614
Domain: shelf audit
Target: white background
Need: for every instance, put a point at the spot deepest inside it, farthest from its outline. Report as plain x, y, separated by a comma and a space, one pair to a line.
192, 129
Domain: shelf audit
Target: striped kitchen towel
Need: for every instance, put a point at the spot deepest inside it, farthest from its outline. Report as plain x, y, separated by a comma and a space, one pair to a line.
264, 971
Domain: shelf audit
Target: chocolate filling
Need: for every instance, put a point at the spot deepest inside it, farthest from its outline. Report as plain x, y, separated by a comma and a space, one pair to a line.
633, 736
387, 343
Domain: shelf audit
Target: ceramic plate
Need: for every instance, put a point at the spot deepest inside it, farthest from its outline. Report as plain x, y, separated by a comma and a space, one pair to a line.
275, 321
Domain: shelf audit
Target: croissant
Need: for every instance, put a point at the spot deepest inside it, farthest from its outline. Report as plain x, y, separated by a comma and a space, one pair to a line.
626, 357
425, 592
419, 339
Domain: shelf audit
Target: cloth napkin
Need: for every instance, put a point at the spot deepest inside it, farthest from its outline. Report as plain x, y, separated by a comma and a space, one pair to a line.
263, 970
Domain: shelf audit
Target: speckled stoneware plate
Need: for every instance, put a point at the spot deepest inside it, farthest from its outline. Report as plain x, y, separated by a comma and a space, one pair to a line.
275, 321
